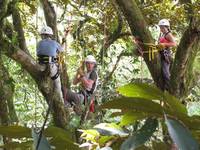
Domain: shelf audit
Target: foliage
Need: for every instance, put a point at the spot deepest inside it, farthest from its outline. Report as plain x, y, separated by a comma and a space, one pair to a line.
23, 135
146, 102
141, 101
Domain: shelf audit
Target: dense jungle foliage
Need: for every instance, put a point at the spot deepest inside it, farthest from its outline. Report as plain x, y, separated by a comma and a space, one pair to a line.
131, 110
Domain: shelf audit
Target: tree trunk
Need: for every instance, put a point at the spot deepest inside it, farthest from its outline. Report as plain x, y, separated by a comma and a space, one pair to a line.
139, 28
182, 78
38, 73
8, 88
6, 92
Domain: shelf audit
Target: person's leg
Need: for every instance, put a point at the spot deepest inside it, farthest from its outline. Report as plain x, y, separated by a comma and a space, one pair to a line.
74, 99
165, 71
54, 74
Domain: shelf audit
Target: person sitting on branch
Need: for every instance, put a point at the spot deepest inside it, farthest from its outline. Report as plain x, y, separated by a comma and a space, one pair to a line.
88, 82
47, 51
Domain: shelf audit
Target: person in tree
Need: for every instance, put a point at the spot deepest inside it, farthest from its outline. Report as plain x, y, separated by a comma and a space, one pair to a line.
165, 42
88, 82
47, 51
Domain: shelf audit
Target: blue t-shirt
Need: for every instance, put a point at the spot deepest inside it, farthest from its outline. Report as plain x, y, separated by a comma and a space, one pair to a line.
48, 47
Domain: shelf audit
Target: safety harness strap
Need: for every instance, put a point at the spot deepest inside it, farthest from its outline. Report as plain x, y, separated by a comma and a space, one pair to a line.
56, 75
43, 59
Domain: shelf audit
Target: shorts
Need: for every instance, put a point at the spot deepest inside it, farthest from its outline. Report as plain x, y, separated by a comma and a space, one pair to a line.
73, 97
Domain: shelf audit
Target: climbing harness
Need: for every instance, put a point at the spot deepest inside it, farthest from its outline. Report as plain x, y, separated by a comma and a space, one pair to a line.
43, 59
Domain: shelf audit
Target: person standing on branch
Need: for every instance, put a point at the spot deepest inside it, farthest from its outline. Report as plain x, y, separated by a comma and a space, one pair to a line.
165, 42
88, 82
47, 52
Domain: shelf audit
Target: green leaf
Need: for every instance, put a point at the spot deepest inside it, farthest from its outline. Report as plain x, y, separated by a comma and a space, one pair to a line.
137, 104
43, 145
63, 144
15, 131
150, 92
131, 117
175, 104
110, 129
60, 136
141, 90
160, 145
16, 145
141, 136
58, 132
90, 135
181, 135
103, 139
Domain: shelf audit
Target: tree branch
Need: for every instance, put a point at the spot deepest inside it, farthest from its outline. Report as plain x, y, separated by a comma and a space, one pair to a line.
109, 76
19, 29
110, 39
50, 17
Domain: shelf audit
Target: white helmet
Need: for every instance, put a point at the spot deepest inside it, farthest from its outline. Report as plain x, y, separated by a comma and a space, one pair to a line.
164, 22
90, 58
46, 30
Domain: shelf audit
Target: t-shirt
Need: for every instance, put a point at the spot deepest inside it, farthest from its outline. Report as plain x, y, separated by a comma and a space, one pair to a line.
92, 76
48, 47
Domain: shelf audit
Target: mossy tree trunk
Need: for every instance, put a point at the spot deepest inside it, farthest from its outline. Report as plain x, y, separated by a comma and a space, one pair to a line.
20, 54
5, 93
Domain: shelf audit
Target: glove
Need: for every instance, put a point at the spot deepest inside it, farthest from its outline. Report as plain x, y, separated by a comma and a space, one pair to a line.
160, 46
80, 71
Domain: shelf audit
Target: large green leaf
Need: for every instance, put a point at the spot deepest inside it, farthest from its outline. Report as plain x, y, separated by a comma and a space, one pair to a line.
60, 144
43, 144
137, 104
175, 104
15, 131
131, 117
150, 92
181, 135
141, 90
141, 136
90, 135
62, 139
16, 145
103, 139
58, 132
110, 129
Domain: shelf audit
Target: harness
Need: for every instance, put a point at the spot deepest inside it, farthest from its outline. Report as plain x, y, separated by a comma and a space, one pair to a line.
165, 53
44, 59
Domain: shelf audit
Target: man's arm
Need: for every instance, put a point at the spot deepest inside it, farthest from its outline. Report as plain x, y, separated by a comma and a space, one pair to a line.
88, 83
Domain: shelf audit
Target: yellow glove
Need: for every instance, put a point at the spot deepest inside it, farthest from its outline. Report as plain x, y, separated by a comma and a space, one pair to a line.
160, 46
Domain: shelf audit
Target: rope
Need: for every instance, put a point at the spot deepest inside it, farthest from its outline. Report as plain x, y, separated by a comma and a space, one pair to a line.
46, 117
152, 49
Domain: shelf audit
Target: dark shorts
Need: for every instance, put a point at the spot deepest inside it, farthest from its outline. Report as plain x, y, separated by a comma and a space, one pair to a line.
73, 97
